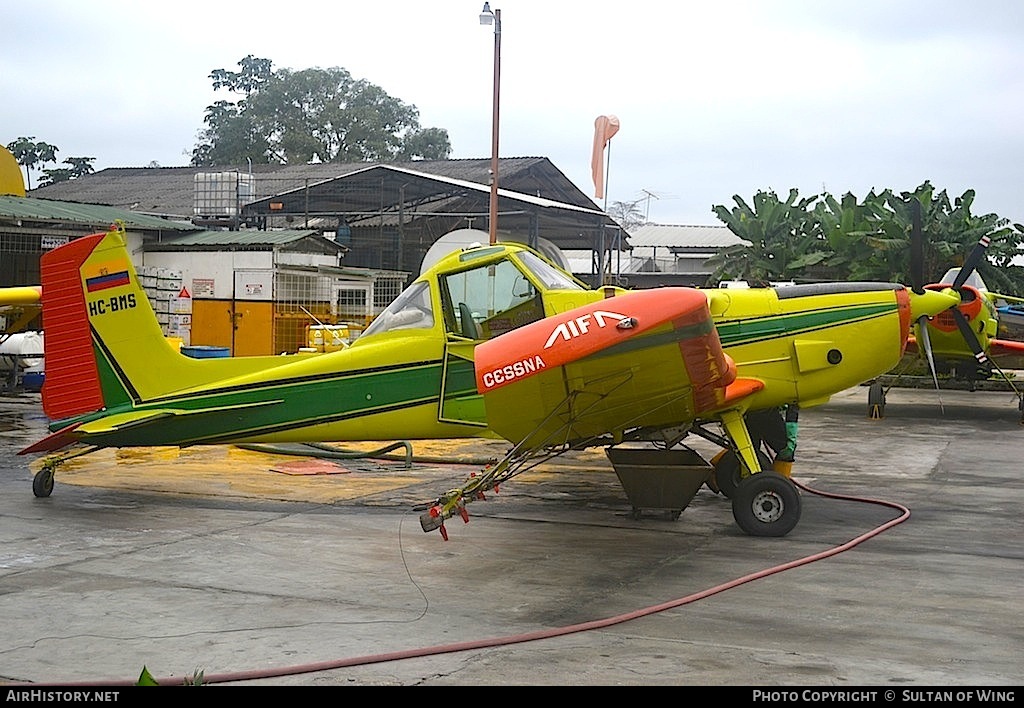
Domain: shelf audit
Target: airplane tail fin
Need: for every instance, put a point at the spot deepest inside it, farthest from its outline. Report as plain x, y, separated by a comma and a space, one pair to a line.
104, 345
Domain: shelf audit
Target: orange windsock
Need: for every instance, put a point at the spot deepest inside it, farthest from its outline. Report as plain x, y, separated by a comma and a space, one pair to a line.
604, 128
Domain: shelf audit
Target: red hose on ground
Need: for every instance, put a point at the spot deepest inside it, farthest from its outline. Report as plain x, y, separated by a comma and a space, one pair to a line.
548, 633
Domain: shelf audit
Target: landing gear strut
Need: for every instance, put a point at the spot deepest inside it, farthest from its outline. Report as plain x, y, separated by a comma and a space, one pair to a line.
876, 401
42, 483
728, 472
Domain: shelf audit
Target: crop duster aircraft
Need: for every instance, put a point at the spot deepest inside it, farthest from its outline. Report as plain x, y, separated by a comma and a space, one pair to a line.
18, 307
491, 341
961, 341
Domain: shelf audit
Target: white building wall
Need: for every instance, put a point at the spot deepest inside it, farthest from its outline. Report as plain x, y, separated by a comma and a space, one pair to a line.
203, 270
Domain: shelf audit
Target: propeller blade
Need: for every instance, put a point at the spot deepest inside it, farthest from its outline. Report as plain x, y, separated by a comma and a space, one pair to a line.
971, 338
916, 248
926, 345
973, 259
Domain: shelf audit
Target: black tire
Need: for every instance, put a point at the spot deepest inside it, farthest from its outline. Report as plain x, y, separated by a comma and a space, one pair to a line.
42, 483
728, 474
876, 401
766, 504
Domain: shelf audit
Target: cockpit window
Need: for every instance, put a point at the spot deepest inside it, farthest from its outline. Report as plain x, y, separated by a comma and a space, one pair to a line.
410, 310
547, 274
484, 302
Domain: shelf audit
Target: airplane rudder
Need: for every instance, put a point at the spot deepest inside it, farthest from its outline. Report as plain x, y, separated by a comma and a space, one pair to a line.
72, 383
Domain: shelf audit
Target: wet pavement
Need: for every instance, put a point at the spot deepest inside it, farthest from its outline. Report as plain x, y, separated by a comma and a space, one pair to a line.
248, 568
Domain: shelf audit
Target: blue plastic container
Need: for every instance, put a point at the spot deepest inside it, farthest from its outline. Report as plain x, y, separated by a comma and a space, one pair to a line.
206, 352
33, 380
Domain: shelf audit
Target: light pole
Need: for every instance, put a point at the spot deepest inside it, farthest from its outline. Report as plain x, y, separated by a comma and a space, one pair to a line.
486, 18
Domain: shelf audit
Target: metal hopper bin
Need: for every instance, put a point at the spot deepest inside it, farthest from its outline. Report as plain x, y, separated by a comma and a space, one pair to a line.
659, 479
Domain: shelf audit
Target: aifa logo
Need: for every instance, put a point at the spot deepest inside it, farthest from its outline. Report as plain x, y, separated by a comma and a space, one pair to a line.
579, 326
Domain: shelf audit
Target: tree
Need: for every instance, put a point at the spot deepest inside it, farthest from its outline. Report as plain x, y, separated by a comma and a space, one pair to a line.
29, 154
628, 214
950, 232
313, 115
78, 166
822, 238
425, 144
856, 239
781, 240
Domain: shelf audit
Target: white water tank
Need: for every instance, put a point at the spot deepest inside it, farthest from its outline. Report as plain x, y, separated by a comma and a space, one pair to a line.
221, 194
462, 238
16, 351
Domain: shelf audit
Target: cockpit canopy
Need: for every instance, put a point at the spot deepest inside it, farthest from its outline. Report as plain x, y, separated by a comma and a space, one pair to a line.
479, 301
974, 280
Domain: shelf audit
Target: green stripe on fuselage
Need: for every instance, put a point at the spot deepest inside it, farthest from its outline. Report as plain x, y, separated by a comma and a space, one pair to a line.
312, 401
749, 331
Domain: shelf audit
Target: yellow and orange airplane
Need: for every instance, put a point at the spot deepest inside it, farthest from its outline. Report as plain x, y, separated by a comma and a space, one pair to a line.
493, 341
962, 342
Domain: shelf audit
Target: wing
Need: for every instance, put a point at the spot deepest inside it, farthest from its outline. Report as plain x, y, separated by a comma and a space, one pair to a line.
18, 307
649, 358
1006, 353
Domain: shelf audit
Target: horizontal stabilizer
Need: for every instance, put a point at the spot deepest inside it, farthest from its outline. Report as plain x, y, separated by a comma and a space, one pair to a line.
55, 441
118, 422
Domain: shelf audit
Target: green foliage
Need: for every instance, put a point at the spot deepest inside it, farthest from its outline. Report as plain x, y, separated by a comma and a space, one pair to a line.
29, 154
146, 679
79, 166
822, 238
307, 116
197, 678
781, 241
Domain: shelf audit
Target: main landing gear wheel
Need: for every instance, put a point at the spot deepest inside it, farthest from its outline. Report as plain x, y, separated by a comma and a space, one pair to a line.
766, 504
876, 401
727, 471
42, 483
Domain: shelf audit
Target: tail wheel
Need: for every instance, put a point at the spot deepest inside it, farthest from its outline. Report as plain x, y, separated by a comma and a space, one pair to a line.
728, 471
42, 483
766, 504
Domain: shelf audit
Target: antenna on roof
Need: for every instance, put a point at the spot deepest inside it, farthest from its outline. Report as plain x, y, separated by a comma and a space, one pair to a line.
647, 208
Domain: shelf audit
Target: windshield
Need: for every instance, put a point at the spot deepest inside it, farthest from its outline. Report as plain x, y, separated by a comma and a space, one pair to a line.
547, 274
974, 280
410, 310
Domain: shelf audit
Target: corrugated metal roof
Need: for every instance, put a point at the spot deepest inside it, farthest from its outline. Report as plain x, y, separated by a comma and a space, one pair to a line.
419, 186
246, 238
171, 190
101, 217
427, 197
679, 236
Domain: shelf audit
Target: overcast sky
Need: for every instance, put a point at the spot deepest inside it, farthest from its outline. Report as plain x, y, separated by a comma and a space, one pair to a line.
714, 99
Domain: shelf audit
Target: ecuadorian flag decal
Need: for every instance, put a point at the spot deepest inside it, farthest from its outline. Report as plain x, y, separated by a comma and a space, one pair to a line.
107, 275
